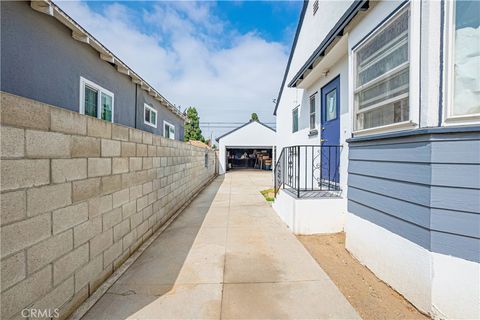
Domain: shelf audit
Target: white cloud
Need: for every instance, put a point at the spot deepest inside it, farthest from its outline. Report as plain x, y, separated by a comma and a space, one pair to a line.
191, 56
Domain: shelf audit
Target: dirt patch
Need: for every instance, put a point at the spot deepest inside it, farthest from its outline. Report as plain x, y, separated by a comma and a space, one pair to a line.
372, 298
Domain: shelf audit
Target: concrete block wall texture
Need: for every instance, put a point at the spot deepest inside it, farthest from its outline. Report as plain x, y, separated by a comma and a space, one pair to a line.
78, 197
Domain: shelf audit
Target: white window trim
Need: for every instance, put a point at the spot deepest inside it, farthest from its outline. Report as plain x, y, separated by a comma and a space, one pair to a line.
298, 119
168, 123
146, 106
316, 97
101, 90
414, 73
449, 75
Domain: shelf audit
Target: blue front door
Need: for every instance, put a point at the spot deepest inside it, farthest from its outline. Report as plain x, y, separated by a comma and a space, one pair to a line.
330, 132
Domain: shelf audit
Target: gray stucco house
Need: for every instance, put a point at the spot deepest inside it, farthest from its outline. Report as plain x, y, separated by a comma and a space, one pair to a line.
48, 57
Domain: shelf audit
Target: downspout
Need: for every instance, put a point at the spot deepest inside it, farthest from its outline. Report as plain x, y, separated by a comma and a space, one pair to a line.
136, 95
440, 89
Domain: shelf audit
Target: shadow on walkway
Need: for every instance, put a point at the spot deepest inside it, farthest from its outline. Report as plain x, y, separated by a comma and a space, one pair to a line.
228, 255
166, 274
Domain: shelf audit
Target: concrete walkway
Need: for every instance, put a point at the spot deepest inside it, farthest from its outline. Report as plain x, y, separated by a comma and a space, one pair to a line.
227, 256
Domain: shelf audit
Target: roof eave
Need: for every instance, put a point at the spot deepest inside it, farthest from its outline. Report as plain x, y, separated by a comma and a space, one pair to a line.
294, 44
80, 34
244, 125
336, 31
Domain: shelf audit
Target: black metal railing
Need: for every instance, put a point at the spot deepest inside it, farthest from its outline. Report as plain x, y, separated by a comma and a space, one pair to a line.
308, 168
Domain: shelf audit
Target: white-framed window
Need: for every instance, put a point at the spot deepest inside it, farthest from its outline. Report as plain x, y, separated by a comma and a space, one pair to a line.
96, 101
168, 130
383, 76
313, 108
315, 6
462, 76
295, 120
149, 115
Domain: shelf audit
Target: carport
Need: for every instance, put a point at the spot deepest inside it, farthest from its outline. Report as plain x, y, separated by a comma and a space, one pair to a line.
250, 146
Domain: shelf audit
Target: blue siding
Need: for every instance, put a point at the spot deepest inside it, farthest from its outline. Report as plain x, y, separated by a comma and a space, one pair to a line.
456, 151
410, 212
401, 171
456, 222
425, 188
410, 231
453, 244
406, 191
402, 152
456, 175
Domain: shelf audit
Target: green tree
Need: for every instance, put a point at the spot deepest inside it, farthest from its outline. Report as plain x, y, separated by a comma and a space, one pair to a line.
192, 126
254, 117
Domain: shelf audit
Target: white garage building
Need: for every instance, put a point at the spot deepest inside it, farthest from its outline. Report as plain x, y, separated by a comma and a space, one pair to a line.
248, 146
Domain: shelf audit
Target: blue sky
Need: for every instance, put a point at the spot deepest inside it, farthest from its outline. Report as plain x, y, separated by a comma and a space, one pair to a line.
225, 58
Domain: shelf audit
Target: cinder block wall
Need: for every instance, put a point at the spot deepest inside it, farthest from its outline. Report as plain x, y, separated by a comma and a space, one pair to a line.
78, 196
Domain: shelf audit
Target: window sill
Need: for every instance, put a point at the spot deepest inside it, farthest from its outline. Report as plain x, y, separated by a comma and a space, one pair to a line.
313, 133
470, 119
387, 128
415, 132
149, 124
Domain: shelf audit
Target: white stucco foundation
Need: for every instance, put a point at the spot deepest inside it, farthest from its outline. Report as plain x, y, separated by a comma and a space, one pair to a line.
401, 263
443, 286
455, 288
311, 216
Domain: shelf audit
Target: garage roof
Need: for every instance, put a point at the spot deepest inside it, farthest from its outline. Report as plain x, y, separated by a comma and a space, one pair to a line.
243, 125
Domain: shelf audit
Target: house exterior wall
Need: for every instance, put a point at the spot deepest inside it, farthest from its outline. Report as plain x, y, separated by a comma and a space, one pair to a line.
411, 208
314, 29
78, 196
252, 134
163, 114
425, 189
41, 61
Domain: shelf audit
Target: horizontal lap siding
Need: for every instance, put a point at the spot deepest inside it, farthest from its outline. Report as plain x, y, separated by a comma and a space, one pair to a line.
455, 245
456, 175
407, 211
406, 191
400, 171
404, 152
456, 151
455, 222
423, 188
405, 229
